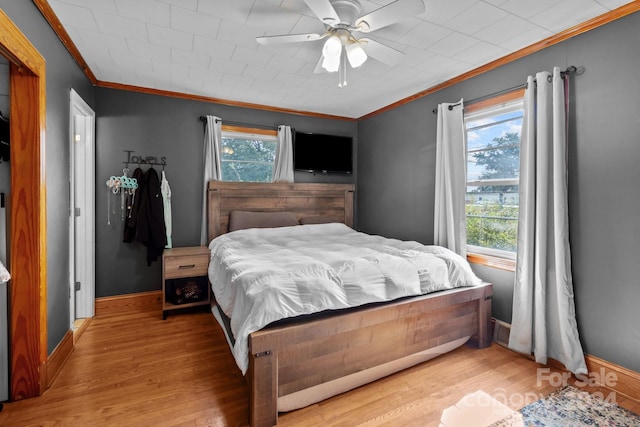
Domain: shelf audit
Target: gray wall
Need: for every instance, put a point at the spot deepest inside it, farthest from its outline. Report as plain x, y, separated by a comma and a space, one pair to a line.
158, 126
396, 166
62, 75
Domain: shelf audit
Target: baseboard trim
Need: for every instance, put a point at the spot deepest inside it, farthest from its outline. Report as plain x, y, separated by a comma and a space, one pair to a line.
58, 357
103, 307
616, 377
81, 325
119, 304
606, 374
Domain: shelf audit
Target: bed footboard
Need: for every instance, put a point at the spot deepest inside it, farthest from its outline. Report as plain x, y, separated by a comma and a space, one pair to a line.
286, 359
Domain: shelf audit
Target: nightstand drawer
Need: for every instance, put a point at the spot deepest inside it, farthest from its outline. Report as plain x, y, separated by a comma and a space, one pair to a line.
181, 266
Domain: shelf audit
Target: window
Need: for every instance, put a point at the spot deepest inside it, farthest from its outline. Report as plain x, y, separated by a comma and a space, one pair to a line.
493, 170
247, 154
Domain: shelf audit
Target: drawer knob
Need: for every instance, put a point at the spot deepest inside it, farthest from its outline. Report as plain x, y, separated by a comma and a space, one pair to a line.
185, 267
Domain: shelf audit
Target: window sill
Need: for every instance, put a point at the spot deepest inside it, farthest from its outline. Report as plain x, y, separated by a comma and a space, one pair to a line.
492, 261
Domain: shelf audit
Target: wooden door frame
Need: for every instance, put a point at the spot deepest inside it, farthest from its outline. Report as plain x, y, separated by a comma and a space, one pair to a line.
27, 226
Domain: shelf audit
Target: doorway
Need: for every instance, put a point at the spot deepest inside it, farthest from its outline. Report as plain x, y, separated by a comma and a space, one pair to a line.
82, 211
27, 215
5, 189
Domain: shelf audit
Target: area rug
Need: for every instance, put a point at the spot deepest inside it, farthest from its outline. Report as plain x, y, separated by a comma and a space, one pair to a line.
573, 407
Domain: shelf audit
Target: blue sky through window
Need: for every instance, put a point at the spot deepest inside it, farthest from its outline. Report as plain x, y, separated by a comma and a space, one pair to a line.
482, 132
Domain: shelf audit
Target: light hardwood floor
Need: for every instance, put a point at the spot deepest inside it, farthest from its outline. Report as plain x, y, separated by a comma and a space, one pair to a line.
134, 369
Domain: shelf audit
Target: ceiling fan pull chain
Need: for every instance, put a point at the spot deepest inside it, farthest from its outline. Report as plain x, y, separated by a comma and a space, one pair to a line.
342, 71
344, 66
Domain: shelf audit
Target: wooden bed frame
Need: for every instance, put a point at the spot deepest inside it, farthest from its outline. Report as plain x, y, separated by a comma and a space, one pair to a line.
289, 358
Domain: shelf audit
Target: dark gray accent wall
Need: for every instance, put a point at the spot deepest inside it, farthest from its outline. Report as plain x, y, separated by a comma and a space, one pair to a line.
396, 163
63, 74
604, 192
151, 125
394, 173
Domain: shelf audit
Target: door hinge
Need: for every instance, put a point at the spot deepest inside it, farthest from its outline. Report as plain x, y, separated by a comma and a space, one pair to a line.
77, 211
78, 286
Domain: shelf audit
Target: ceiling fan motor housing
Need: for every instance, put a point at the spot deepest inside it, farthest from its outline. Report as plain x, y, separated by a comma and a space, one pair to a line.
347, 10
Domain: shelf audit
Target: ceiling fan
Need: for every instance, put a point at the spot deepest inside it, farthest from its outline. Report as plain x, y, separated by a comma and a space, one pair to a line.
342, 19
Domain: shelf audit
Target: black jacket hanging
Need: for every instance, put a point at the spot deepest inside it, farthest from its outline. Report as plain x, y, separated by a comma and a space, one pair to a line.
150, 228
133, 204
4, 138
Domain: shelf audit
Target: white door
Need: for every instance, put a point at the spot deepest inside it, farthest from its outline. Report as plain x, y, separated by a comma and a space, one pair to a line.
82, 212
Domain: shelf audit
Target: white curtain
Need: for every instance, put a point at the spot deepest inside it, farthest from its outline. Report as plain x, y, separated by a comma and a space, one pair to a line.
449, 225
283, 165
212, 168
544, 321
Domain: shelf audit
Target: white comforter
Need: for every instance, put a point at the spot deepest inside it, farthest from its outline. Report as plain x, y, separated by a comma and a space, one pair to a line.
262, 275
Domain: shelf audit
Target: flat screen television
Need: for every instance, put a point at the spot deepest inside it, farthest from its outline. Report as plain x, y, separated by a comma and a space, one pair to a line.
322, 153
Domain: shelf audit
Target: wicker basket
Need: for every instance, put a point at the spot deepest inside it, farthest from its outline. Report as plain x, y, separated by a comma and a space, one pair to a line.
186, 290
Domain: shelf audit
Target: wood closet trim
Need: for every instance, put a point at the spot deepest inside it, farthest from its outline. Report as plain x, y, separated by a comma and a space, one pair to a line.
27, 224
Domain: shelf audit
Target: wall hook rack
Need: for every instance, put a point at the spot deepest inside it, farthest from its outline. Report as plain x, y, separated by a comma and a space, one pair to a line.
116, 183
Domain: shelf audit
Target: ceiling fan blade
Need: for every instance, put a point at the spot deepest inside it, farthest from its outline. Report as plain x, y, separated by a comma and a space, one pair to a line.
389, 14
381, 52
324, 10
289, 38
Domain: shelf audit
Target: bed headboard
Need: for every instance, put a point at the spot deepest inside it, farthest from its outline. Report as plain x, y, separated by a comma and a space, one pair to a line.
334, 201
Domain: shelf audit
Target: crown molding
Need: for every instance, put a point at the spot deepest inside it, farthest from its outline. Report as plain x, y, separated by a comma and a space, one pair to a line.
56, 25
221, 101
576, 30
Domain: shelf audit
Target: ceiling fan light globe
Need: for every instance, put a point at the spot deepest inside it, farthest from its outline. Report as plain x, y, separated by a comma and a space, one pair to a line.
331, 63
332, 47
356, 55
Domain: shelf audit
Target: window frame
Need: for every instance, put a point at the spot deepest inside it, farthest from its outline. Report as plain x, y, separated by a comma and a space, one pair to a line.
242, 132
494, 258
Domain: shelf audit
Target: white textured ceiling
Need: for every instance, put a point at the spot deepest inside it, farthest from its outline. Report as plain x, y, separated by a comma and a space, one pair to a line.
208, 47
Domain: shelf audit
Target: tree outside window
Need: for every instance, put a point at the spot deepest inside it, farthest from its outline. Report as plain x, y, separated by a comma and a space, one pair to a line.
493, 170
247, 157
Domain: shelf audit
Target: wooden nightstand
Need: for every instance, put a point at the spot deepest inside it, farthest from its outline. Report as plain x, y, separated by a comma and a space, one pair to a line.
183, 268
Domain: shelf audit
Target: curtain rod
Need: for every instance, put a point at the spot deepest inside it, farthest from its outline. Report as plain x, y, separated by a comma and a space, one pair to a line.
241, 124
570, 70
